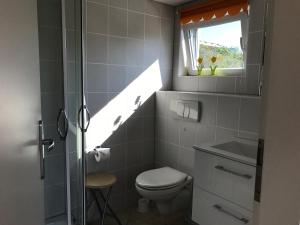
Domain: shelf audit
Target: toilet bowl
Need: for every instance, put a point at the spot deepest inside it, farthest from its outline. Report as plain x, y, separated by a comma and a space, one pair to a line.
167, 187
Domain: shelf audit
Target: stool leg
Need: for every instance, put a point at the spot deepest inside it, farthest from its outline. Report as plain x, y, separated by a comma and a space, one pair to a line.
110, 209
93, 192
105, 204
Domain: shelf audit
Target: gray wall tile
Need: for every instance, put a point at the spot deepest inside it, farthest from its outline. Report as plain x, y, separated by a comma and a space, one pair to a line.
228, 112
96, 48
134, 52
186, 160
223, 133
118, 3
96, 102
149, 127
148, 152
151, 53
97, 18
117, 22
208, 105
134, 153
254, 50
136, 25
152, 28
187, 134
117, 158
165, 55
117, 51
204, 133
256, 15
96, 80
116, 78
167, 30
167, 11
249, 120
137, 5
253, 77
226, 85
133, 72
152, 8
185, 83
135, 128
171, 130
207, 84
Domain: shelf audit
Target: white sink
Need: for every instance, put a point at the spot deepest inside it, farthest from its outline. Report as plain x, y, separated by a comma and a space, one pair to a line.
238, 149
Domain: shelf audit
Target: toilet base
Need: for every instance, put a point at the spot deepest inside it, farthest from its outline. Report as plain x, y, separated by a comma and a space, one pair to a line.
180, 202
164, 207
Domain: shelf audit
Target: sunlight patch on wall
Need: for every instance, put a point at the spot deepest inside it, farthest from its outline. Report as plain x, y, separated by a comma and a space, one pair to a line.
120, 108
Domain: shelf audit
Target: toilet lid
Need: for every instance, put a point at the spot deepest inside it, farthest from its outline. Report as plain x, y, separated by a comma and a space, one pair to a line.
160, 178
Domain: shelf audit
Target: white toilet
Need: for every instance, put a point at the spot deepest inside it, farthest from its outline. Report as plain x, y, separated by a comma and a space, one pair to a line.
167, 187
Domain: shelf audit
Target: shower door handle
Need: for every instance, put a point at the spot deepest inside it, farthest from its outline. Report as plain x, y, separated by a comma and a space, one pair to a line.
62, 133
83, 109
42, 143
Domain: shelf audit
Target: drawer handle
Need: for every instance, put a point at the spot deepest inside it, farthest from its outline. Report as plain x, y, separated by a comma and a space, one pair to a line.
222, 168
221, 209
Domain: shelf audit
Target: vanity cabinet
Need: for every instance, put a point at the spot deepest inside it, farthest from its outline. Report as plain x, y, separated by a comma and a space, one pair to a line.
209, 209
223, 190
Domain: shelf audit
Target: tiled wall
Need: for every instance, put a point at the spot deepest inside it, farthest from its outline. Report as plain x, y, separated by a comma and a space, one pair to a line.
51, 72
248, 83
222, 116
125, 37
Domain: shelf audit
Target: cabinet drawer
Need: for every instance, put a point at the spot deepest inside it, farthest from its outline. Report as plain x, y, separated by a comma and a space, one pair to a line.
209, 209
229, 179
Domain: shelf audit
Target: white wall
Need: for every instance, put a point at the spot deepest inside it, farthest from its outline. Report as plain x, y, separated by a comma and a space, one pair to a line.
281, 181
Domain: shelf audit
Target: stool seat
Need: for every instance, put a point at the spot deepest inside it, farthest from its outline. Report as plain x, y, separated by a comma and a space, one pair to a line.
100, 180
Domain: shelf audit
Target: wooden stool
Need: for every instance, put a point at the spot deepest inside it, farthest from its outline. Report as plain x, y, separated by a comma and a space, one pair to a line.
97, 182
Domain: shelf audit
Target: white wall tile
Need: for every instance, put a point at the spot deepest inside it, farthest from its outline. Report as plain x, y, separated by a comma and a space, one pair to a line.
228, 112
117, 22
250, 110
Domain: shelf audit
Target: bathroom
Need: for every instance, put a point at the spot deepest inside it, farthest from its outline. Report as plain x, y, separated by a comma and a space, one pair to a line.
155, 112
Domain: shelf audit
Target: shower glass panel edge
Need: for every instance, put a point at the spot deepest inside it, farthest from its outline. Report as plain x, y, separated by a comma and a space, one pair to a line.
73, 77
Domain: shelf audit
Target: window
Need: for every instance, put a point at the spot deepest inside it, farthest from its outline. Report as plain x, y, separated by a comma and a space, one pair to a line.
219, 44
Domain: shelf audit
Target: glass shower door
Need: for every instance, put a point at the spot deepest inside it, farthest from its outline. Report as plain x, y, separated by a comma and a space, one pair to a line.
74, 100
61, 86
52, 96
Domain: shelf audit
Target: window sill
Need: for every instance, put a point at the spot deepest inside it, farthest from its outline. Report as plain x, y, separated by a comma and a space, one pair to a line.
236, 95
238, 72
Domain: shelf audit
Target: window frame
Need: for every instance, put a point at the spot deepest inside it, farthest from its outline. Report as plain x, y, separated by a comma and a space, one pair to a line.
190, 51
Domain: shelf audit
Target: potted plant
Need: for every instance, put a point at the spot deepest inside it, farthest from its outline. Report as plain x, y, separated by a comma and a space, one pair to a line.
200, 65
213, 66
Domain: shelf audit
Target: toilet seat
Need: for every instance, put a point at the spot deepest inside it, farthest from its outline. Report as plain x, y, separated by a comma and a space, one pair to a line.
160, 179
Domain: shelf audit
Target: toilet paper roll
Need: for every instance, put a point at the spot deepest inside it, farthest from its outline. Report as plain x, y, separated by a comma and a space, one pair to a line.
101, 154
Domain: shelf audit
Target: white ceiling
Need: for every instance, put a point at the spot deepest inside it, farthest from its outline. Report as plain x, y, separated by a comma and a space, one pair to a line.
173, 2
